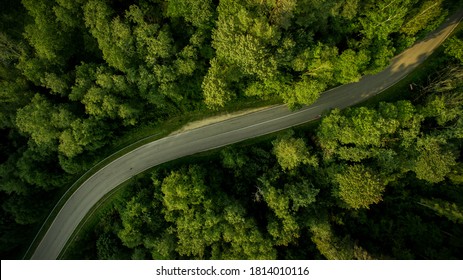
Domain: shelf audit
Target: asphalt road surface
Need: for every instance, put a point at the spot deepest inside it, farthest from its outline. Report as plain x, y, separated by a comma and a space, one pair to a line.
225, 133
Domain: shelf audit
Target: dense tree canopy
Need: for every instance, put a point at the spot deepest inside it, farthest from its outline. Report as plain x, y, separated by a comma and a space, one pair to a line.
369, 182
75, 75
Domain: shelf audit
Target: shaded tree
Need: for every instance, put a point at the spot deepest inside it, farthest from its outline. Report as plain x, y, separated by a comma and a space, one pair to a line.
446, 209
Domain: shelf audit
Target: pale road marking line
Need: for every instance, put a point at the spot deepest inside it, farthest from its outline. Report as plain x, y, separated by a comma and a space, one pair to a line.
277, 119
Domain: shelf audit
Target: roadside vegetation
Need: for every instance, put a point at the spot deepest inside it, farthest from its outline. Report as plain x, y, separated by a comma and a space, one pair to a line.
79, 78
376, 182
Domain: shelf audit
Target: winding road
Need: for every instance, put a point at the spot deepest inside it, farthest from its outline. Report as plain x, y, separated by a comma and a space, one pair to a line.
224, 133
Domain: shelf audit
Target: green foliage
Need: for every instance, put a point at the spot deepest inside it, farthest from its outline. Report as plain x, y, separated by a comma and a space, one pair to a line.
454, 49
349, 66
392, 135
114, 36
285, 204
422, 17
244, 240
198, 13
329, 244
381, 18
181, 189
46, 35
201, 224
362, 132
283, 228
301, 194
26, 209
234, 159
242, 38
39, 170
83, 134
314, 15
214, 86
141, 219
433, 163
304, 92
446, 209
107, 247
43, 121
76, 74
291, 152
10, 51
359, 187
13, 95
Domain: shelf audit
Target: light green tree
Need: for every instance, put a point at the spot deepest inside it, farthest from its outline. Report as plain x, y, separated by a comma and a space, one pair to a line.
349, 66
304, 92
454, 49
428, 11
44, 122
198, 13
114, 35
328, 243
215, 89
433, 162
242, 238
243, 37
381, 18
207, 222
292, 152
358, 187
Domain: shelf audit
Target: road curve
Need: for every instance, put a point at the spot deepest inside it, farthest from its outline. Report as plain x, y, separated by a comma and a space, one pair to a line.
225, 133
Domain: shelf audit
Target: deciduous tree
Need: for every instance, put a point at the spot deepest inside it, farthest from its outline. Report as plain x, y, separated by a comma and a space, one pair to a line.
358, 187
292, 152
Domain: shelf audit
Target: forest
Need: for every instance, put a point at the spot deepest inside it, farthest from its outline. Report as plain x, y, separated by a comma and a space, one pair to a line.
377, 182
368, 182
380, 182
